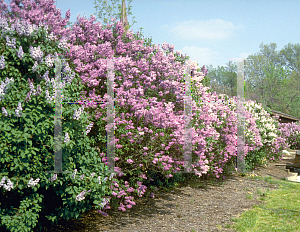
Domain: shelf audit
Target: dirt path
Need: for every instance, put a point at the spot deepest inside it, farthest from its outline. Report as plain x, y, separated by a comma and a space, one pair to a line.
196, 204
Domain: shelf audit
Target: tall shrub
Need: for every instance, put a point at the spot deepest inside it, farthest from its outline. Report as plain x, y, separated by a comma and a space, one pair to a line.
30, 197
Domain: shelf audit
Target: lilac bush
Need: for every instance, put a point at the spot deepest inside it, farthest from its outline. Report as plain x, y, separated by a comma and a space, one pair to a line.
27, 136
149, 102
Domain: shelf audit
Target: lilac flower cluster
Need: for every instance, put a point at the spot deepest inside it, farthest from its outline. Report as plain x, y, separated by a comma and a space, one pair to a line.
4, 87
9, 185
20, 53
36, 53
2, 62
11, 43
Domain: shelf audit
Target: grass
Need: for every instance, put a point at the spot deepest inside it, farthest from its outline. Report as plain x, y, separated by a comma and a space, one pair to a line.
281, 211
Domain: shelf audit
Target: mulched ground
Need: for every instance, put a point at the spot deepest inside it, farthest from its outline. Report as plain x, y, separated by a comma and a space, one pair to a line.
198, 205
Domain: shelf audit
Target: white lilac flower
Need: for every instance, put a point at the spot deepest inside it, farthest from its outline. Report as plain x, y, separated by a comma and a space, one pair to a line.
111, 176
11, 43
81, 177
9, 185
73, 176
49, 61
80, 196
62, 43
4, 87
36, 53
99, 178
48, 97
88, 128
3, 22
20, 53
4, 112
30, 28
33, 183
18, 109
77, 113
67, 138
104, 202
2, 62
51, 36
3, 178
35, 66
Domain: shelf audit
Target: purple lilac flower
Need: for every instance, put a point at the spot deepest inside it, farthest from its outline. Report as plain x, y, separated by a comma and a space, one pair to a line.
204, 70
164, 46
53, 178
39, 90
46, 76
28, 96
81, 177
103, 213
171, 47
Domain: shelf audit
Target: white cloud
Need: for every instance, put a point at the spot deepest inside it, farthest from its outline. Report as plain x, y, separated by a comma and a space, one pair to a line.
214, 29
203, 56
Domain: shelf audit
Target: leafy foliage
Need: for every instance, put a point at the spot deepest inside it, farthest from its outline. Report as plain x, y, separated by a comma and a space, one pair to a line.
27, 139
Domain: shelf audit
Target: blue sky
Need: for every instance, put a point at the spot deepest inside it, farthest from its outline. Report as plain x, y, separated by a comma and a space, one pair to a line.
210, 31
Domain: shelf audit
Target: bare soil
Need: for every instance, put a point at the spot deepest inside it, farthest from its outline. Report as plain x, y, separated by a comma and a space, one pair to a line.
197, 204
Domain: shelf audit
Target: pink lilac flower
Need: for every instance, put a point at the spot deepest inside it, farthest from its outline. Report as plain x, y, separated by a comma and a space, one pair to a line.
129, 161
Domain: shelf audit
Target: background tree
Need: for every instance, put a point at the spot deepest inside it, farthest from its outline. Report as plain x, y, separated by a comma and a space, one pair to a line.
223, 79
271, 79
112, 8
